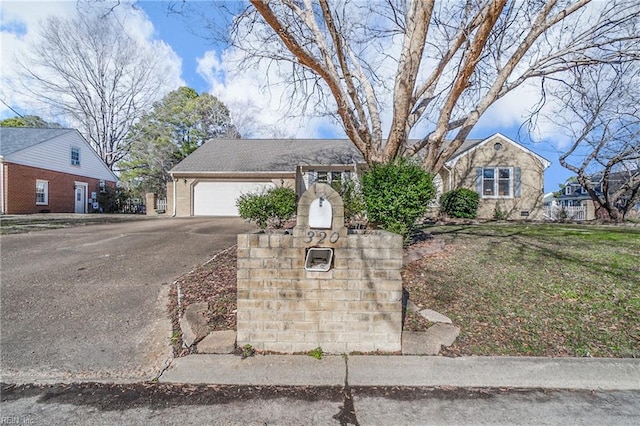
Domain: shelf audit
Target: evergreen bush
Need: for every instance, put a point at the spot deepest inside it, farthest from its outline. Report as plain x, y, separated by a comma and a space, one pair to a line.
460, 203
396, 194
270, 208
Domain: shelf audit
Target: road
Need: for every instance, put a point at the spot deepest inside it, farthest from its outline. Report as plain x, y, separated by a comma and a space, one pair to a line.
164, 404
89, 302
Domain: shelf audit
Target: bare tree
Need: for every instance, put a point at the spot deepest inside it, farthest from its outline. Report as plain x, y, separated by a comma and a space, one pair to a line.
598, 108
91, 71
426, 66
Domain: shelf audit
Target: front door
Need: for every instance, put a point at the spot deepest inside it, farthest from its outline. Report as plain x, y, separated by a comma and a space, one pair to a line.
81, 197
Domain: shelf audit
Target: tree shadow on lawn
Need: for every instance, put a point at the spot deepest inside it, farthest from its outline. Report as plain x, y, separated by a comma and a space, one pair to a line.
610, 252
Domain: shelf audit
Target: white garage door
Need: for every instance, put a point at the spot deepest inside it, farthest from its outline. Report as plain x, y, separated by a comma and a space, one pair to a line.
219, 198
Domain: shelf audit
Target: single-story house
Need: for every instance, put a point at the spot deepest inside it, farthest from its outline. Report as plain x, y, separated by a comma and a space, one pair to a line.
508, 177
49, 170
210, 180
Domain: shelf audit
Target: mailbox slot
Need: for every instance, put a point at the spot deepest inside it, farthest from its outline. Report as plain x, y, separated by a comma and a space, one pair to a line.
318, 259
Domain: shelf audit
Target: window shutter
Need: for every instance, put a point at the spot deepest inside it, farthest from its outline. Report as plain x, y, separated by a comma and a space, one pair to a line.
479, 180
312, 177
516, 183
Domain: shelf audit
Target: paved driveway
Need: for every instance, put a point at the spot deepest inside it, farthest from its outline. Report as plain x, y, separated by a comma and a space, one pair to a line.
90, 302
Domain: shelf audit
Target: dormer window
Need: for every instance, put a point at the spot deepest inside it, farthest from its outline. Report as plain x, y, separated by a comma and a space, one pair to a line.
567, 190
75, 156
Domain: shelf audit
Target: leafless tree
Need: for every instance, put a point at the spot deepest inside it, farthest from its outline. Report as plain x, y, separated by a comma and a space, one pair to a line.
598, 108
91, 71
426, 66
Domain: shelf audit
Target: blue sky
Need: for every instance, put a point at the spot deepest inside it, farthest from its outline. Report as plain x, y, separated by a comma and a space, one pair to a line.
200, 63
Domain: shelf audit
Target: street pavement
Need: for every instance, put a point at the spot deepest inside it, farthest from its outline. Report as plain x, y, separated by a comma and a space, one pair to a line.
90, 302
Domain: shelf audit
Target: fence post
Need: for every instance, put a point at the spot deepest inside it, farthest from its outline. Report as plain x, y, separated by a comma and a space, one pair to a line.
150, 202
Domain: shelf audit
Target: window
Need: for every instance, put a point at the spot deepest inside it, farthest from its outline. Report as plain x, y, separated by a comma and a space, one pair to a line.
488, 182
329, 177
504, 182
497, 182
75, 156
42, 192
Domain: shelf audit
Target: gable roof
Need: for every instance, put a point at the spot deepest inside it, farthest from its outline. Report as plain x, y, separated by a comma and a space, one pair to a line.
470, 145
268, 155
14, 139
41, 148
284, 155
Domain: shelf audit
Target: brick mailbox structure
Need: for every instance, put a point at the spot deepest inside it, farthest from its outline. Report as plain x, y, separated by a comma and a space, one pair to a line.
320, 285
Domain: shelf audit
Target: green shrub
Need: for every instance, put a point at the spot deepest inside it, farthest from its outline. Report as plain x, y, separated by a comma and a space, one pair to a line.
397, 194
499, 214
353, 201
460, 203
271, 208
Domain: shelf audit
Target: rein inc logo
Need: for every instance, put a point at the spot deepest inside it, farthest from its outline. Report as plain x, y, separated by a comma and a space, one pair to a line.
17, 420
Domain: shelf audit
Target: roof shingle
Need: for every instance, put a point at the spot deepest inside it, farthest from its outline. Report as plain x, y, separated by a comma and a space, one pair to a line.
268, 155
14, 139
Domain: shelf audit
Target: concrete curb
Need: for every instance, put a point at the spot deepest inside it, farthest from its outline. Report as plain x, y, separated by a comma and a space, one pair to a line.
509, 372
281, 370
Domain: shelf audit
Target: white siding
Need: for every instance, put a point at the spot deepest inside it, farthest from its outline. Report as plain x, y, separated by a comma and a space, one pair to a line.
55, 154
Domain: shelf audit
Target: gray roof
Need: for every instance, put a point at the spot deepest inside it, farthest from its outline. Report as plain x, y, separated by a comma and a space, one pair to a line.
14, 139
268, 155
466, 146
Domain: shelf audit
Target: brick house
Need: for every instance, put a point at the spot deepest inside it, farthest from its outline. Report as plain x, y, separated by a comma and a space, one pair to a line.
47, 170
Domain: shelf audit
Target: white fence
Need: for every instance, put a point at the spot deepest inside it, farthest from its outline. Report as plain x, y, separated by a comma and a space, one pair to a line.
564, 213
161, 204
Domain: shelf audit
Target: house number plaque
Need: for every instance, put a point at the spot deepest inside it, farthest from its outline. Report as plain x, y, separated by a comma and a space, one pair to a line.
321, 236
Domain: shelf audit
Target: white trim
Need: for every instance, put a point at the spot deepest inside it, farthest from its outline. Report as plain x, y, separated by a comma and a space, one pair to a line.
85, 190
45, 190
452, 162
75, 163
496, 182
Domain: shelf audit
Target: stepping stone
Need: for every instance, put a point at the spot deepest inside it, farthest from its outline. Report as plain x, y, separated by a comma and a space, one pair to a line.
446, 333
429, 342
419, 343
194, 323
218, 342
436, 317
412, 306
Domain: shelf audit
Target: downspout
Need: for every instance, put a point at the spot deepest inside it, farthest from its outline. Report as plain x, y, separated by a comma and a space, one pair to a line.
3, 206
449, 172
174, 196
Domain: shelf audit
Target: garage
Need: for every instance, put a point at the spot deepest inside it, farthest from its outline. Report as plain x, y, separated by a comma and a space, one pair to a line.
219, 198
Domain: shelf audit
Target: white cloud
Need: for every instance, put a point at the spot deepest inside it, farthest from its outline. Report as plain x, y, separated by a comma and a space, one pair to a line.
20, 28
258, 99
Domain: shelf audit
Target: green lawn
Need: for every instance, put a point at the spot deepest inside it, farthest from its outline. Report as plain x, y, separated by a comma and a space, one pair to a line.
534, 289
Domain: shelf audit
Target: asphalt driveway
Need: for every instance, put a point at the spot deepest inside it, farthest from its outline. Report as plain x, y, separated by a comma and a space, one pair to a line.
90, 302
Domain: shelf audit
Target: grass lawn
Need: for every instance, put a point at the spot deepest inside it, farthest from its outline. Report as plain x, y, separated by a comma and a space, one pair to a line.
513, 289
535, 289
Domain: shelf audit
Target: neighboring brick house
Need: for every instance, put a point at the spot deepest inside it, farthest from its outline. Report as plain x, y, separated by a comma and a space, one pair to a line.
208, 182
49, 171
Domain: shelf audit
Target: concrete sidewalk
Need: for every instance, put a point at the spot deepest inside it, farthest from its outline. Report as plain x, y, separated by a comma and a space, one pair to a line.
511, 372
